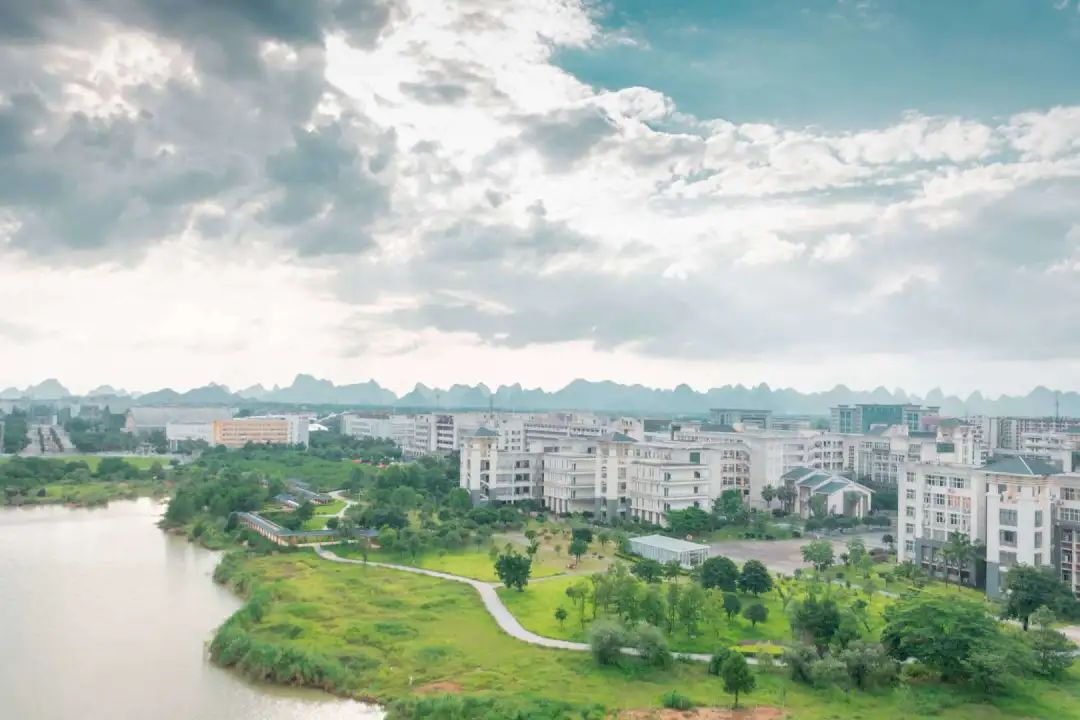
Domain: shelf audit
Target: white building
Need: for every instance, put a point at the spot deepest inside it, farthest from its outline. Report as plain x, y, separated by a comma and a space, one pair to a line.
569, 470
489, 472
177, 433
145, 420
841, 495
663, 549
1019, 509
962, 442
880, 454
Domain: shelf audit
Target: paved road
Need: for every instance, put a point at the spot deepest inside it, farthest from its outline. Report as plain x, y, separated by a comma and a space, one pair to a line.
340, 495
494, 605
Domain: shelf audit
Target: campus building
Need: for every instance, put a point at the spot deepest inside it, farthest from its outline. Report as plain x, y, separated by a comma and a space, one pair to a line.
838, 495
262, 430
860, 418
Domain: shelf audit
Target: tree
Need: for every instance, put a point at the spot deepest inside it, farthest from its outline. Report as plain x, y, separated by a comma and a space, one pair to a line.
648, 570
719, 572
716, 662
674, 594
957, 552
828, 672
513, 570
653, 606
755, 578
732, 604
603, 537
606, 639
651, 645
889, 541
756, 613
332, 523
582, 533
579, 594
816, 618
868, 664
819, 506
818, 553
558, 550
737, 676
730, 506
786, 495
768, 493
560, 615
691, 604
672, 568
1028, 588
856, 551
1051, 651
533, 548
942, 633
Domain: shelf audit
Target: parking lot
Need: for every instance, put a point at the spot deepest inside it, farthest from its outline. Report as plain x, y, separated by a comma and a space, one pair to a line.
785, 555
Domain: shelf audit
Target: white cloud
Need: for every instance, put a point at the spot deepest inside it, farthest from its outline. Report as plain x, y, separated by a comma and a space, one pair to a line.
835, 247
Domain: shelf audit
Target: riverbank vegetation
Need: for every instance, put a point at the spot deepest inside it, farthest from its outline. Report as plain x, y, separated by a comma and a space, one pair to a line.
79, 480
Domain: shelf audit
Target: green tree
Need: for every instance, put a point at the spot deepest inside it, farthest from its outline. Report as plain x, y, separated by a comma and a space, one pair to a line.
606, 639
603, 537
730, 507
957, 552
579, 595
818, 506
889, 541
817, 619
856, 551
648, 570
513, 570
651, 645
578, 547
674, 594
732, 604
1028, 588
768, 494
828, 672
560, 615
691, 605
672, 569
756, 613
755, 578
653, 606
533, 548
818, 553
787, 495
719, 572
942, 633
305, 512
1052, 652
737, 676
868, 664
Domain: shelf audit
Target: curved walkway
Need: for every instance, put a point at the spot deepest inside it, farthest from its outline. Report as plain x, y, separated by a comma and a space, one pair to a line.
495, 607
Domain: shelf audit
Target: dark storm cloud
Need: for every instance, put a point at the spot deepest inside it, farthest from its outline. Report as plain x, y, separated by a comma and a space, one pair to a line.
119, 181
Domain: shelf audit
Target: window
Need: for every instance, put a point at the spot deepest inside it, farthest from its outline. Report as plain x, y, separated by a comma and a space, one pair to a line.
1038, 519
957, 483
1038, 541
939, 517
1007, 537
1070, 515
939, 500
1007, 559
1007, 517
695, 457
1038, 559
1070, 494
909, 494
909, 511
954, 519
911, 477
909, 529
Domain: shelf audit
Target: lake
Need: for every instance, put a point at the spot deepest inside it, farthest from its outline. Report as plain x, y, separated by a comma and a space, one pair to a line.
102, 615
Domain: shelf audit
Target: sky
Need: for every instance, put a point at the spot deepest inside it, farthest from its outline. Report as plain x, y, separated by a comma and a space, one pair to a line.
808, 193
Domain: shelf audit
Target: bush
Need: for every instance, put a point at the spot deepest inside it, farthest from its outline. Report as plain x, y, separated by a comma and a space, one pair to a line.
606, 639
717, 660
799, 659
828, 672
673, 700
652, 646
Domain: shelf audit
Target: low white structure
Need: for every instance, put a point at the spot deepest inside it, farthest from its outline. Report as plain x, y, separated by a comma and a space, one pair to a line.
177, 433
843, 496
664, 549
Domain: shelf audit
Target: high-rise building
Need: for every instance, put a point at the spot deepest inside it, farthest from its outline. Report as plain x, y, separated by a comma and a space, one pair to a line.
860, 418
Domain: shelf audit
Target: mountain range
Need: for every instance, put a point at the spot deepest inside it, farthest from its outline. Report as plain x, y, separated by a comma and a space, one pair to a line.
602, 396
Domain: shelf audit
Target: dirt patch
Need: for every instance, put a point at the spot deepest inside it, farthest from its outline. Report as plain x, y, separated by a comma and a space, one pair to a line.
438, 688
763, 712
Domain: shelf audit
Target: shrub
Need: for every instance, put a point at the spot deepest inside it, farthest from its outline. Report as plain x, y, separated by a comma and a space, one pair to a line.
606, 639
652, 646
717, 660
799, 659
673, 700
828, 672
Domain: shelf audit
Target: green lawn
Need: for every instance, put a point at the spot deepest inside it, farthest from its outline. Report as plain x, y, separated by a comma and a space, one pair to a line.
142, 462
331, 508
535, 610
92, 493
466, 563
401, 633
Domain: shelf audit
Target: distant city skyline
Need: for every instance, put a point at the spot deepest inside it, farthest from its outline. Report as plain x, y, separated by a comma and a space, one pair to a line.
867, 193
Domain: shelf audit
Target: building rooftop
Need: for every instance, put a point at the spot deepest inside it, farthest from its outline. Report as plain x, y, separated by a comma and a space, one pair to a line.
483, 432
666, 543
1021, 465
619, 437
798, 473
162, 416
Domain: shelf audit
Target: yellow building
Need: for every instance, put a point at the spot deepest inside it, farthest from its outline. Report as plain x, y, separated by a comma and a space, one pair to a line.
237, 432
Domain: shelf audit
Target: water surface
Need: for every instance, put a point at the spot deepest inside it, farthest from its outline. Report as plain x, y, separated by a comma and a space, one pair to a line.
102, 615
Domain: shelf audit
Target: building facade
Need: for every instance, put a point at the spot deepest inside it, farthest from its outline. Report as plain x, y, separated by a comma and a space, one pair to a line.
261, 430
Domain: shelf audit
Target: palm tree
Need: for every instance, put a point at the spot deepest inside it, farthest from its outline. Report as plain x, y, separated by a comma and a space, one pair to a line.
959, 550
767, 494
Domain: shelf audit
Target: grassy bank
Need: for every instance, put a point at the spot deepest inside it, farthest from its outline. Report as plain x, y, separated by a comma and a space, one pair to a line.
141, 462
399, 637
89, 494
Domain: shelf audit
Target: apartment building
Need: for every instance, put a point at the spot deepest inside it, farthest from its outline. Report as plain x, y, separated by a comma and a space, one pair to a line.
177, 433
1008, 432
569, 471
881, 453
1019, 509
262, 430
742, 418
490, 472
962, 442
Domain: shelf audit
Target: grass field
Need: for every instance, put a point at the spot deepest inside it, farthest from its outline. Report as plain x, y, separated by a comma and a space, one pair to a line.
466, 563
331, 508
402, 634
142, 462
535, 609
92, 493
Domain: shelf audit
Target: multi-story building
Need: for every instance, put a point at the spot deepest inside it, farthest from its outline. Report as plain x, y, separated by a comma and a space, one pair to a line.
880, 454
860, 418
743, 418
493, 473
1008, 432
145, 420
179, 433
1017, 509
262, 430
962, 442
569, 469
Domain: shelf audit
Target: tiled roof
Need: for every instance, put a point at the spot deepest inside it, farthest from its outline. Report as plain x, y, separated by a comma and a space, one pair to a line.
1021, 465
484, 432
